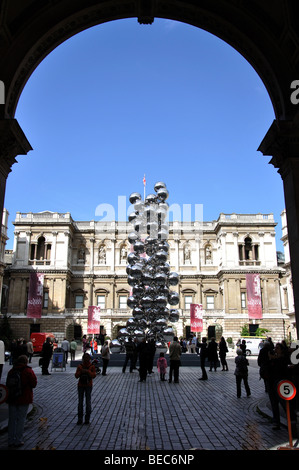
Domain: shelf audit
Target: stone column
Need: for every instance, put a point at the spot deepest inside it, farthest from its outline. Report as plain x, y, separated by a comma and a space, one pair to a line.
282, 143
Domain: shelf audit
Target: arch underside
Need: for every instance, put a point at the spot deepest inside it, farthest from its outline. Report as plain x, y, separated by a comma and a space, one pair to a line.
256, 32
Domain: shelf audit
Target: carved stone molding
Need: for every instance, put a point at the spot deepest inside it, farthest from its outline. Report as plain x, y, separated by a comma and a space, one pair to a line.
13, 142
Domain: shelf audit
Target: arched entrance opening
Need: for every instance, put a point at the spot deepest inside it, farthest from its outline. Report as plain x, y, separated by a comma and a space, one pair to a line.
254, 33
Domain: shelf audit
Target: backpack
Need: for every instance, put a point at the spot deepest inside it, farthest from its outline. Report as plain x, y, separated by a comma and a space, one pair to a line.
85, 378
14, 384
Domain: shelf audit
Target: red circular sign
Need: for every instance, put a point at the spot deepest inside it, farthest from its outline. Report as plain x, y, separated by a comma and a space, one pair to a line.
3, 393
286, 390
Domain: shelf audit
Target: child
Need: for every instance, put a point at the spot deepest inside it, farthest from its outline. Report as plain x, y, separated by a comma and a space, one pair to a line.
162, 366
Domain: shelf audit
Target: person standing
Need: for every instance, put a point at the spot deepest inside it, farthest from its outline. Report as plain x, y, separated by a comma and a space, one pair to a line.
241, 372
30, 351
152, 347
2, 356
203, 355
175, 352
162, 366
105, 356
213, 354
19, 398
144, 357
47, 351
73, 348
130, 346
85, 372
65, 346
222, 353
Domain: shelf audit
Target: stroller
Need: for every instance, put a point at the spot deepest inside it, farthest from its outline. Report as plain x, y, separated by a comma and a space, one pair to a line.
96, 362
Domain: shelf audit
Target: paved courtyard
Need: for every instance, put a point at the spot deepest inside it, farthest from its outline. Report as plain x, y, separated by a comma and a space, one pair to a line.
151, 416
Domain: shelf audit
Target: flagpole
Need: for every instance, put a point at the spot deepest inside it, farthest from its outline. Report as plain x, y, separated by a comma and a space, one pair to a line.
144, 184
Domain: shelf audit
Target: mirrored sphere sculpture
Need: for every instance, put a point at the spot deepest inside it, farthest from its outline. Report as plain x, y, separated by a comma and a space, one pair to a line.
148, 271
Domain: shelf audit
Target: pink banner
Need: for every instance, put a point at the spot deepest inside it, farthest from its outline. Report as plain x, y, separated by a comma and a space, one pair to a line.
254, 298
35, 295
93, 326
196, 321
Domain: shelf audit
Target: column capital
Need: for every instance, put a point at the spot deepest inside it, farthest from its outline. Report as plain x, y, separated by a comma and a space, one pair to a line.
282, 143
13, 142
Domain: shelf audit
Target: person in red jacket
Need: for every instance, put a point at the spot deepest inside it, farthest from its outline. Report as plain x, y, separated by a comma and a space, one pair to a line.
19, 400
85, 373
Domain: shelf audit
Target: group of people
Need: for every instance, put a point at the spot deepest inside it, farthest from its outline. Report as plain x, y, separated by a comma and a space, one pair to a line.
19, 347
274, 363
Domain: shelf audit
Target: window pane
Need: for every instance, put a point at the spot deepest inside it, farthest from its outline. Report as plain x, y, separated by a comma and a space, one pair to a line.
101, 301
46, 299
188, 301
79, 301
243, 299
123, 301
210, 302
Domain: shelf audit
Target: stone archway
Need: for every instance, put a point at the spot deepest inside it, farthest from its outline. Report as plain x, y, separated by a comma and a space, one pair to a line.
265, 34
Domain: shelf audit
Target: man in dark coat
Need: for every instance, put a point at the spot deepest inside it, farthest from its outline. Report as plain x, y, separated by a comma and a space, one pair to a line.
47, 351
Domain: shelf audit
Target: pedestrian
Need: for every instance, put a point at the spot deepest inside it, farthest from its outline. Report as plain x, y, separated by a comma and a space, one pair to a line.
129, 346
47, 351
213, 354
66, 347
95, 346
241, 372
263, 362
20, 381
278, 370
84, 344
162, 366
85, 372
105, 356
175, 352
203, 347
30, 351
144, 358
222, 353
152, 347
243, 346
2, 356
73, 348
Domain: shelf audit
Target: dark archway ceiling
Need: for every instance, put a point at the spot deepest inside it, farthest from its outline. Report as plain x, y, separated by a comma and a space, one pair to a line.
265, 32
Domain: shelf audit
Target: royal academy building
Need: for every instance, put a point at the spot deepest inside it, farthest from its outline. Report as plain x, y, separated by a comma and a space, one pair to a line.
84, 264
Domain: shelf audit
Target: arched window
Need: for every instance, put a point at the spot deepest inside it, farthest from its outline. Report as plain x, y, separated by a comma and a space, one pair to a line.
41, 251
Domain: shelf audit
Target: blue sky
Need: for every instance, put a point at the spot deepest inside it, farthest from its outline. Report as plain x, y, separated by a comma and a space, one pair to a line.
121, 100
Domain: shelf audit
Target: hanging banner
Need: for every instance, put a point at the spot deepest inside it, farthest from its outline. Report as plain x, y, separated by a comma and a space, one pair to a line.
254, 298
93, 326
35, 295
196, 321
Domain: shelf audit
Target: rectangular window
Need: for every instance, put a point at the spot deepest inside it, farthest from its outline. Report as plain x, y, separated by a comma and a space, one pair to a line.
210, 302
79, 301
46, 299
243, 300
188, 300
101, 301
123, 301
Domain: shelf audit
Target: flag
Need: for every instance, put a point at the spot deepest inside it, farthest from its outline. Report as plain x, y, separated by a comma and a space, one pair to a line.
144, 180
196, 322
254, 298
93, 326
35, 295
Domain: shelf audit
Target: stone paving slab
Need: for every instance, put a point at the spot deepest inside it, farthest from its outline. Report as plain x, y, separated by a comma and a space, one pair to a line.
151, 416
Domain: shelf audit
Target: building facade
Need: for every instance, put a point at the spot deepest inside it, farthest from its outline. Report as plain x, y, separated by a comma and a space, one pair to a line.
84, 264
